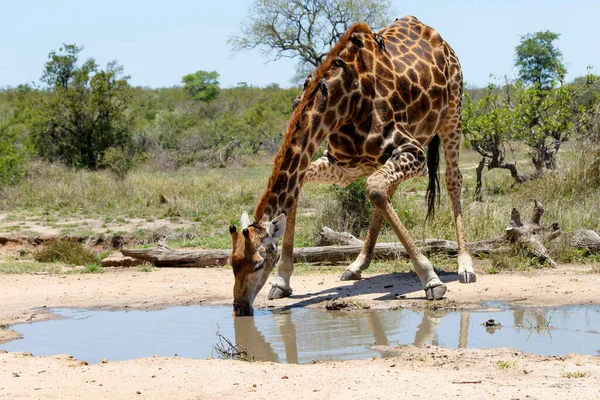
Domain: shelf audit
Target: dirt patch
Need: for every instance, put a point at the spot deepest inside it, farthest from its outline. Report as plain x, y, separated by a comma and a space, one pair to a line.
410, 372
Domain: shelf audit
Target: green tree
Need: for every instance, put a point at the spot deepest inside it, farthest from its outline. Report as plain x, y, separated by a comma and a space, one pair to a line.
305, 29
488, 125
545, 108
85, 111
539, 61
546, 119
202, 85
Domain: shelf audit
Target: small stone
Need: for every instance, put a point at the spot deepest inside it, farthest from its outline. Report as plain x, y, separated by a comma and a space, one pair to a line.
254, 385
285, 377
104, 361
138, 392
16, 375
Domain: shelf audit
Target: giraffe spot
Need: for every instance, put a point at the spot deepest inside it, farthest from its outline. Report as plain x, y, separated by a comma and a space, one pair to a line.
373, 145
304, 161
396, 102
395, 39
366, 124
399, 66
412, 75
382, 89
427, 32
281, 199
311, 148
316, 122
414, 93
294, 163
281, 181
384, 110
330, 118
383, 72
418, 110
440, 60
335, 92
425, 77
343, 107
292, 181
367, 86
289, 202
438, 77
287, 158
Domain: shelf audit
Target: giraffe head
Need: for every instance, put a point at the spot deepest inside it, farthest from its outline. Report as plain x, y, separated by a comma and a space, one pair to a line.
253, 258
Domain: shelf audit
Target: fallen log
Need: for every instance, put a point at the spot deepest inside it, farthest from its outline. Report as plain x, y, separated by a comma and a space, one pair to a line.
528, 237
165, 257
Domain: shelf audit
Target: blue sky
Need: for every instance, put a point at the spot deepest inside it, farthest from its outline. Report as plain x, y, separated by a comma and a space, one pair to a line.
160, 41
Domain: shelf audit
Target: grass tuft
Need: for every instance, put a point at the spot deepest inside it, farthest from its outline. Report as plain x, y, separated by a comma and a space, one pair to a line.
65, 251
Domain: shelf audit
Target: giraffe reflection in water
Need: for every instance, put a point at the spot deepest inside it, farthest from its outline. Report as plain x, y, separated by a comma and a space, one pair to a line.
337, 335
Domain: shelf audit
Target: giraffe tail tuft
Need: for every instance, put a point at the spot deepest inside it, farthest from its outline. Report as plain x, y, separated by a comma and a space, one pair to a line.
433, 188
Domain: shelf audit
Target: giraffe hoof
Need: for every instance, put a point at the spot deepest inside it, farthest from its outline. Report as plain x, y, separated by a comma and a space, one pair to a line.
467, 277
350, 276
436, 292
278, 293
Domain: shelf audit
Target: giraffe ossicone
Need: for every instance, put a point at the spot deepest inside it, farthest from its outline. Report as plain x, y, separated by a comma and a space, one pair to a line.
385, 100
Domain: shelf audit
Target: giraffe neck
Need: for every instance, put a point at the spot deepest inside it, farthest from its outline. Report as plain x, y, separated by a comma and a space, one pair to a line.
305, 133
325, 104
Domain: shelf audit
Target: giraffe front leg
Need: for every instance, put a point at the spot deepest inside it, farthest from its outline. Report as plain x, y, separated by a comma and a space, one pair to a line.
322, 170
285, 265
363, 260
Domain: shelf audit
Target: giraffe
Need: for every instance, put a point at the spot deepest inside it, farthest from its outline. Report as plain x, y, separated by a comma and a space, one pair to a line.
380, 99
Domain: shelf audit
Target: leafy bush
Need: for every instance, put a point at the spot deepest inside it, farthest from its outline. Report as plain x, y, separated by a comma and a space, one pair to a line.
120, 160
66, 251
354, 208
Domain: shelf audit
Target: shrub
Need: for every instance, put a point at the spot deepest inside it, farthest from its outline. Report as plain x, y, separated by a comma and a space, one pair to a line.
67, 251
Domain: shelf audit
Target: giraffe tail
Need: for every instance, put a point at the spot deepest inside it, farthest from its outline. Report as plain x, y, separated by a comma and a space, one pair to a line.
433, 188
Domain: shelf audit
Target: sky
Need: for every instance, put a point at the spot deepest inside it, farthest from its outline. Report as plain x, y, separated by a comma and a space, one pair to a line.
158, 42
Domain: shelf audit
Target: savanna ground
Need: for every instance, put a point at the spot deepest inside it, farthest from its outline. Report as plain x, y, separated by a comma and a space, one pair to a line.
194, 211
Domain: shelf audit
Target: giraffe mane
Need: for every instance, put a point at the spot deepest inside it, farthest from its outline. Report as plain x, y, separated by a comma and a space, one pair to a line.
318, 74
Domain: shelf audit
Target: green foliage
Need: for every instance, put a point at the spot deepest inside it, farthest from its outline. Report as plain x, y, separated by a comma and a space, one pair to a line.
202, 85
82, 113
539, 61
66, 251
12, 160
353, 206
121, 160
93, 268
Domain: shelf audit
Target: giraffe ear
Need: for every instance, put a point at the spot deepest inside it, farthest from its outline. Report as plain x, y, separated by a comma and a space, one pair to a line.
276, 228
245, 220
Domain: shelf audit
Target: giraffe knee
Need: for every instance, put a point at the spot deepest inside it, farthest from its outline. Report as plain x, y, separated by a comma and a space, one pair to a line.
377, 193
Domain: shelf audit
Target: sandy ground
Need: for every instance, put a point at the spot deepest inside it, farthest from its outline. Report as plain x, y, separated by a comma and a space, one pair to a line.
410, 373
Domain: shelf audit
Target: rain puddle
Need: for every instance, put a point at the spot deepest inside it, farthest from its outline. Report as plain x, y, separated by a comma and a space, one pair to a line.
301, 335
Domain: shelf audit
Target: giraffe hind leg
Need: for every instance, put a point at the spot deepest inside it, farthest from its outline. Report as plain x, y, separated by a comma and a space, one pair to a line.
407, 161
450, 132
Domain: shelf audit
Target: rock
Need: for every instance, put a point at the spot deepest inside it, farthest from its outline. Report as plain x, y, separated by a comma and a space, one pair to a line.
119, 260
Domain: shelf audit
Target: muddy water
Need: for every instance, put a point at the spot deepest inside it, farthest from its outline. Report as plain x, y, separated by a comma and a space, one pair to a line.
303, 335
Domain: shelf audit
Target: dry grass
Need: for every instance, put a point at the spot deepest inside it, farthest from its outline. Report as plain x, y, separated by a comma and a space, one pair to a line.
212, 199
